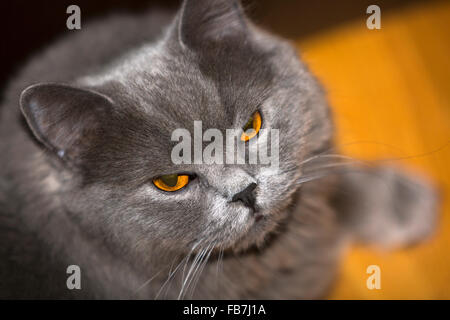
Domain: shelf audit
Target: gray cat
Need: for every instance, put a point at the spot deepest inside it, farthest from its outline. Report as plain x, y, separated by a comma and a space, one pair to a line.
86, 131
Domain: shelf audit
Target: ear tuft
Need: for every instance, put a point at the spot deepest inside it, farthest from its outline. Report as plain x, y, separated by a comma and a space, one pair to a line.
63, 117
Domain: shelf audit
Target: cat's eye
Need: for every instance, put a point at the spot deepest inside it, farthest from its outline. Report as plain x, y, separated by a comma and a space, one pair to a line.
252, 127
171, 182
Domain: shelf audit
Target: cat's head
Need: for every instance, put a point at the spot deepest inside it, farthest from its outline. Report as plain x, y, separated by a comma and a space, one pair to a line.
112, 132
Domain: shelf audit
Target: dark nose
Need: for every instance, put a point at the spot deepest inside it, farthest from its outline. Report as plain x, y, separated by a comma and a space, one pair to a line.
246, 196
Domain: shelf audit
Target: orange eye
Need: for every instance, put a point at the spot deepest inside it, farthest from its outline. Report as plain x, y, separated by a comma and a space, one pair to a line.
252, 127
171, 182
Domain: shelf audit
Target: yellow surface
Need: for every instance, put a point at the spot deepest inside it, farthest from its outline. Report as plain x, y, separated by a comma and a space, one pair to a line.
390, 92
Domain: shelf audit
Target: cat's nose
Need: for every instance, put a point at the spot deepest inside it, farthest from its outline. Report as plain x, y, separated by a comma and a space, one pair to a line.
247, 196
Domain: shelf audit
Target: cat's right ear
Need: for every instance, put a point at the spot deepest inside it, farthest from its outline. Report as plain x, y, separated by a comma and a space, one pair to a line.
201, 22
63, 118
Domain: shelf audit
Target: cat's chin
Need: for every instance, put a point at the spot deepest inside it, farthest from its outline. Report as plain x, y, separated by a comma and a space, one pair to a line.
264, 224
261, 227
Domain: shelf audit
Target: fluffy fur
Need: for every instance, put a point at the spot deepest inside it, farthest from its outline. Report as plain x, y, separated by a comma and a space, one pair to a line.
80, 147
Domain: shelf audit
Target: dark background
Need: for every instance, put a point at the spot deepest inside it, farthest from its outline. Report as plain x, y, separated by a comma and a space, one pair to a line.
27, 26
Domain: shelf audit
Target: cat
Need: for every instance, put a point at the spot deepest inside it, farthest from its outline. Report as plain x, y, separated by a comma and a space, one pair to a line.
86, 129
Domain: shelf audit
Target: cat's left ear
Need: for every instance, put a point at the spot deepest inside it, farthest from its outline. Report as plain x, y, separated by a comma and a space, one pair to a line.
64, 118
204, 21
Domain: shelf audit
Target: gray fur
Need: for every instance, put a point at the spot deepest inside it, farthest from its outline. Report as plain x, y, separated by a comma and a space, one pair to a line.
79, 190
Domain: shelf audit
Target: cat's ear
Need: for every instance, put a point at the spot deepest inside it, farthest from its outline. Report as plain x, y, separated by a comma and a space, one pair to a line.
203, 21
63, 117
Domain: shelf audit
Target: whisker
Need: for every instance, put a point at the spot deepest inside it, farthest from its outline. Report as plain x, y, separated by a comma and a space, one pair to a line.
219, 259
170, 277
191, 269
197, 268
171, 274
202, 267
331, 155
333, 165
317, 174
147, 282
189, 255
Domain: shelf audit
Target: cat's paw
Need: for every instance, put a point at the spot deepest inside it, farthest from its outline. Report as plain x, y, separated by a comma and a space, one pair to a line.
388, 207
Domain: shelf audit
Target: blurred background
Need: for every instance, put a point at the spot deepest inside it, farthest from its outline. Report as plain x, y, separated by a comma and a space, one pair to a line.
389, 90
